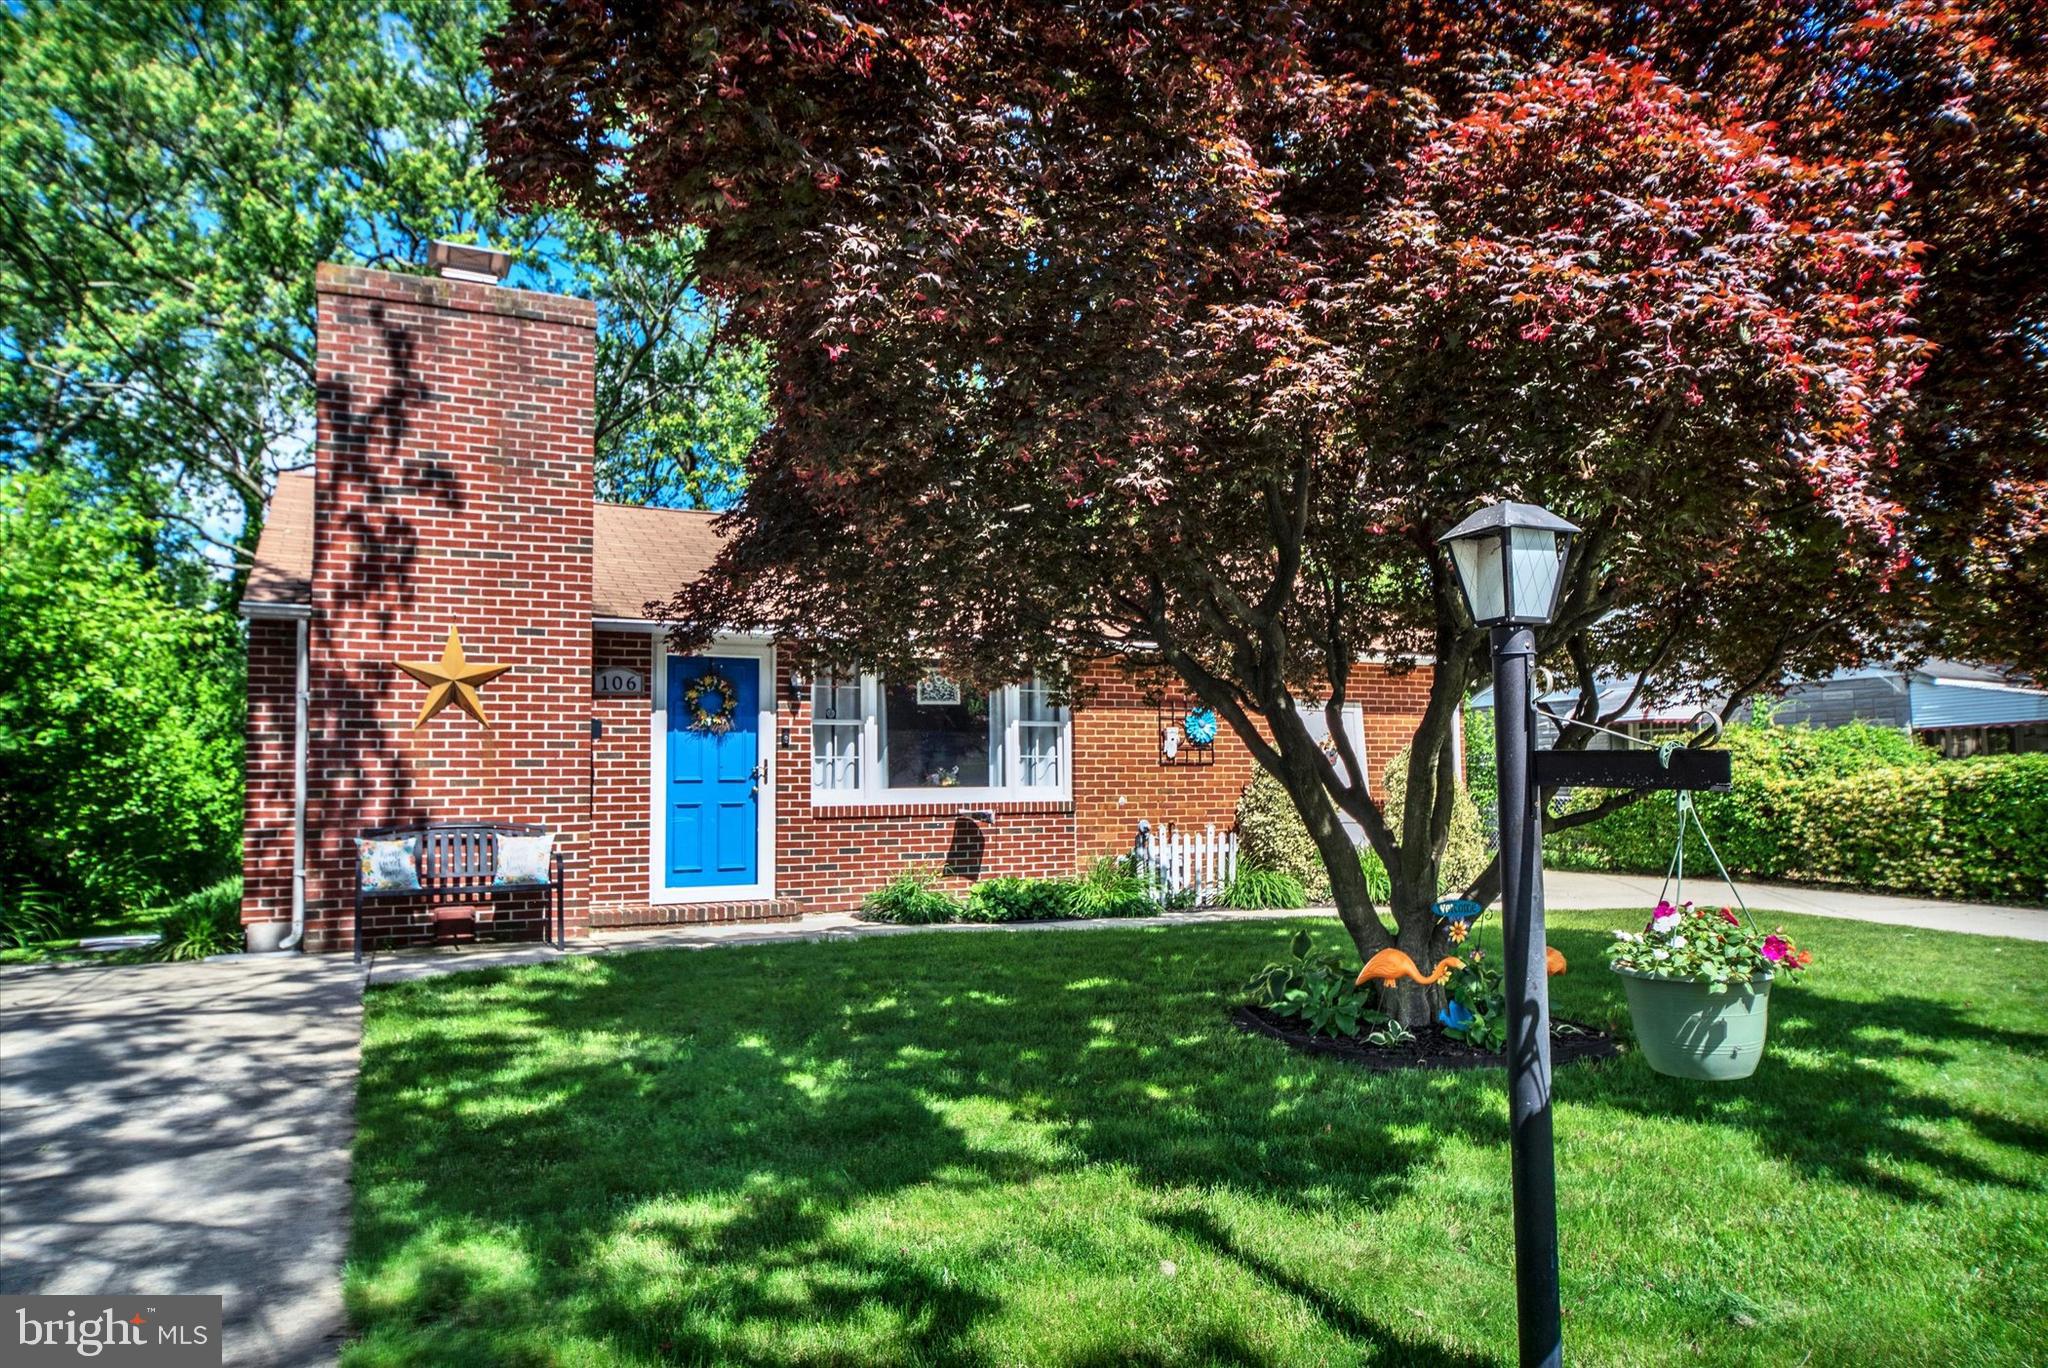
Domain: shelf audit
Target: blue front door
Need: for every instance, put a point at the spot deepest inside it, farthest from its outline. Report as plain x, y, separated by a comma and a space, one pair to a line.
714, 745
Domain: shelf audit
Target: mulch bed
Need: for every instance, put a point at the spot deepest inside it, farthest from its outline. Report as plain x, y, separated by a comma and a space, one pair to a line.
1570, 1042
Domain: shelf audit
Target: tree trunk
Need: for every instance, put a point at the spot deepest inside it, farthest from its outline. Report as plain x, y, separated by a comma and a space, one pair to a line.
1347, 878
1421, 937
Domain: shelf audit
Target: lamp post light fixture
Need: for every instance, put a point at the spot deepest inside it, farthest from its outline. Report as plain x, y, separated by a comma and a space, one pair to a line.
1510, 559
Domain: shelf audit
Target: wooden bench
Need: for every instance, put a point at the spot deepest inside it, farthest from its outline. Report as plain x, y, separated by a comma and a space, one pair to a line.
461, 858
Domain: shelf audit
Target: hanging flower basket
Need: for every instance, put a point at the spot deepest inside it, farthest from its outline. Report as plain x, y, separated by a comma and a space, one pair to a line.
1699, 989
1686, 1030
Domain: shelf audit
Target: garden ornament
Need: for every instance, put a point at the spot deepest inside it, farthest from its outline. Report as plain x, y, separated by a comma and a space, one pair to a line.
1390, 966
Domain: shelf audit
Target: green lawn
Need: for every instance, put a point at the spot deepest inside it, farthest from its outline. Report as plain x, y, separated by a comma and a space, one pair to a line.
1051, 1148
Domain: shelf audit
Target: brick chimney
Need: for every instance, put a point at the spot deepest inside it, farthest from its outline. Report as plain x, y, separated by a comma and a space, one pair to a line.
452, 489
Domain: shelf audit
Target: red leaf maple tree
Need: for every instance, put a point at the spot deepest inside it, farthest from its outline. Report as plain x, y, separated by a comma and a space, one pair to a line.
1180, 335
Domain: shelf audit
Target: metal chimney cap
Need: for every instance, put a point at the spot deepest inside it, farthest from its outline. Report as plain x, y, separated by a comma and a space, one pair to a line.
465, 261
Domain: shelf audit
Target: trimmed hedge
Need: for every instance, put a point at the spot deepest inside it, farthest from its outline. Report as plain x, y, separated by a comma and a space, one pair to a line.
1865, 806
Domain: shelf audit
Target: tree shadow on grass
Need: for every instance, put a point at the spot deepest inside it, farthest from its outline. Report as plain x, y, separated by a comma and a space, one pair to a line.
686, 1139
693, 1146
1202, 1229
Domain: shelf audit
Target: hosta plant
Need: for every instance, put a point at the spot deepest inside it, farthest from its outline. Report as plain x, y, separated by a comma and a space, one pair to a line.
1328, 1005
1711, 946
1315, 988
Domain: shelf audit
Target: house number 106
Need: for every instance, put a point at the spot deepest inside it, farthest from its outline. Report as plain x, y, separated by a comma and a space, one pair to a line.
619, 683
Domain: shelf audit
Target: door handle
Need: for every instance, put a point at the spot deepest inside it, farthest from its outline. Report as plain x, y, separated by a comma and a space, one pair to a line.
760, 774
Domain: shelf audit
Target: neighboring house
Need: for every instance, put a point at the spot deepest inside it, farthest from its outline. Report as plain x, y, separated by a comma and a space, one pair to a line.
1959, 709
452, 489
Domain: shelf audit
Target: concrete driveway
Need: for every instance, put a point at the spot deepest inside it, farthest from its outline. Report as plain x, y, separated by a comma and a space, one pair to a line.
175, 1128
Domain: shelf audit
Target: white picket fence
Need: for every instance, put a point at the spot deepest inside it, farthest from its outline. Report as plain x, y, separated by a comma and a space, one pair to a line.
1177, 862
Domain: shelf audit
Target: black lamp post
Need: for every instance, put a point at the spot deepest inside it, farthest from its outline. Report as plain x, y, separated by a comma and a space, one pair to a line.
1510, 563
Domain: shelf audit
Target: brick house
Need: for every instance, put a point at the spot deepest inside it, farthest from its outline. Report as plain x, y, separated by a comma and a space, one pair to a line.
452, 488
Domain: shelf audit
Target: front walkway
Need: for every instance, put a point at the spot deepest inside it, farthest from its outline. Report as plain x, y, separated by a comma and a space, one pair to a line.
1561, 889
184, 1128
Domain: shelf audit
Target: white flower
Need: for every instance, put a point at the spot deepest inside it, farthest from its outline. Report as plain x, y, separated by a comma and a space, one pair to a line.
1660, 925
1678, 942
1659, 955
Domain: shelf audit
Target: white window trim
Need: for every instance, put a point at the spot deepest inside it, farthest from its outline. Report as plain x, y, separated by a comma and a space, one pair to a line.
658, 891
874, 764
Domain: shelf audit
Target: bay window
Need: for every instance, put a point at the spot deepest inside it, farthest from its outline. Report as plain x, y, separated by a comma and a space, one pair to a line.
878, 741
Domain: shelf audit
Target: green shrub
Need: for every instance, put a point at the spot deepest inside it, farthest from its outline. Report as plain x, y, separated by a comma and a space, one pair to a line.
1955, 829
910, 900
1481, 777
1272, 836
1377, 881
201, 924
1111, 888
1820, 807
121, 705
1476, 1004
1315, 988
1257, 888
1017, 900
1464, 847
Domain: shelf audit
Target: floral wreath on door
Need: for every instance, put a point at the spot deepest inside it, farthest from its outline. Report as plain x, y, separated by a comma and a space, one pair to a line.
712, 701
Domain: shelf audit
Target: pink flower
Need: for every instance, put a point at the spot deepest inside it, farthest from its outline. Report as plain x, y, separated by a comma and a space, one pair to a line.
1775, 948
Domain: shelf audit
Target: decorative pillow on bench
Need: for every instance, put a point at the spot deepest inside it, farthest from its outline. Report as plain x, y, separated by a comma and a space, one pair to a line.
523, 861
388, 865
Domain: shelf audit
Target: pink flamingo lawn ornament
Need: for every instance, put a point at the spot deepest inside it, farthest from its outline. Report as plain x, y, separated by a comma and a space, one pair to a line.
1390, 966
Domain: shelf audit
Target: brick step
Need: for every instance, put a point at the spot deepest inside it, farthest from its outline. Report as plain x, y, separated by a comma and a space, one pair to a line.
616, 916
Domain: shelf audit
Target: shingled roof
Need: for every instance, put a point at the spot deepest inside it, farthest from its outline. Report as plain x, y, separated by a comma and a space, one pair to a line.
640, 555
283, 573
643, 554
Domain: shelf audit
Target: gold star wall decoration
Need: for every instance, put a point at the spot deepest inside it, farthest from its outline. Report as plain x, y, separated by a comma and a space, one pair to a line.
451, 679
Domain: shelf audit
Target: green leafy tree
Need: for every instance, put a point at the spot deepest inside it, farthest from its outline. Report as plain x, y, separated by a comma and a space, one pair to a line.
680, 399
1181, 335
120, 710
170, 174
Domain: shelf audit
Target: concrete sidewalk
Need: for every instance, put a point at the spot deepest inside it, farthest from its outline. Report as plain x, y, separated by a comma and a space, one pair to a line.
170, 1128
1562, 888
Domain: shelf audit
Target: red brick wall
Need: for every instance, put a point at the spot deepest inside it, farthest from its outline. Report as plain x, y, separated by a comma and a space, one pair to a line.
1119, 780
621, 804
453, 488
827, 858
267, 774
1393, 706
